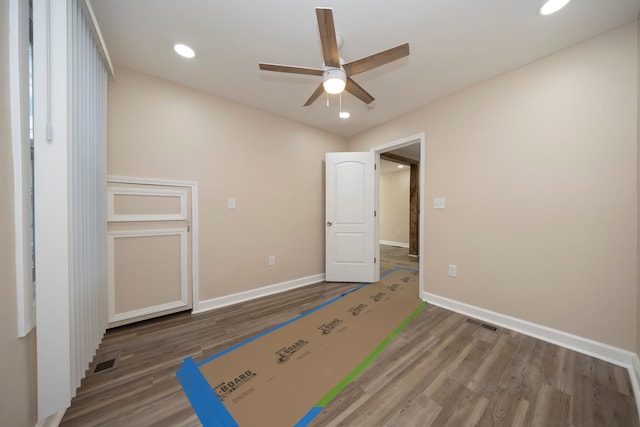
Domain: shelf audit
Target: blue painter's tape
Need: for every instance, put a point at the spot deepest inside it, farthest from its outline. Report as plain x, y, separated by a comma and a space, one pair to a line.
396, 268
208, 406
402, 268
248, 340
304, 421
268, 331
205, 402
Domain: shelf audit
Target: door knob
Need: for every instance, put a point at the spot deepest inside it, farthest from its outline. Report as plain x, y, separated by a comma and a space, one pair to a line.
329, 224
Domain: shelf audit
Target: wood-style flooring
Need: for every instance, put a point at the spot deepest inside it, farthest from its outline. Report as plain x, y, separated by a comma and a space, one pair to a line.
443, 369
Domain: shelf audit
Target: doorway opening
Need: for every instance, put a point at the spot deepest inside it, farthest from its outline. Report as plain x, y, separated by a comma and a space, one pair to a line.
411, 150
400, 198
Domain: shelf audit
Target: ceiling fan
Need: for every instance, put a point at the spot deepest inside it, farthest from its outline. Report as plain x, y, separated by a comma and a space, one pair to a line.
336, 76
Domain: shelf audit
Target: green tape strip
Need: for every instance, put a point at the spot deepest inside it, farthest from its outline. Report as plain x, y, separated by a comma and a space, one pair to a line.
358, 370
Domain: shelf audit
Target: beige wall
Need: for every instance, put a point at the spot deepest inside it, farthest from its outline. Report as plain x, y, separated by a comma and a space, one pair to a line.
539, 170
539, 167
394, 206
18, 367
272, 166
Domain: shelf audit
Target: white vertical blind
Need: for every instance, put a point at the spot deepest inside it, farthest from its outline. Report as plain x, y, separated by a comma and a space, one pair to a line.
70, 179
88, 308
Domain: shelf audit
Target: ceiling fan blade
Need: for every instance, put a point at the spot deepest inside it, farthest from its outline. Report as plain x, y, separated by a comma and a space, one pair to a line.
365, 64
290, 69
315, 95
328, 37
356, 90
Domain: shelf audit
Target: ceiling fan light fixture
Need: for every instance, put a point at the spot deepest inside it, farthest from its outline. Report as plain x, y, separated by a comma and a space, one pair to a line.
552, 6
334, 80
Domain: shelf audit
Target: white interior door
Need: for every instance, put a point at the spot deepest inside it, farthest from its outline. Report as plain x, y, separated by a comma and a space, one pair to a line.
351, 221
149, 251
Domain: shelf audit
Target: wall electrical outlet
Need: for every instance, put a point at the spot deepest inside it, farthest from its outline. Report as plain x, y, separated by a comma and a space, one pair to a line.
453, 270
438, 203
272, 260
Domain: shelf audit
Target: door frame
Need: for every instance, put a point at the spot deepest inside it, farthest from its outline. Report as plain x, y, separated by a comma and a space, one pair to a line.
193, 185
390, 146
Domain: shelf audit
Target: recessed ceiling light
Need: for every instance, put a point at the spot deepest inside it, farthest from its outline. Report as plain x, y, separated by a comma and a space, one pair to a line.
552, 6
344, 114
184, 50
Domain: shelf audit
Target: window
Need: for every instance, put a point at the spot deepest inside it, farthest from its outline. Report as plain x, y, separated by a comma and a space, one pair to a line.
21, 101
31, 155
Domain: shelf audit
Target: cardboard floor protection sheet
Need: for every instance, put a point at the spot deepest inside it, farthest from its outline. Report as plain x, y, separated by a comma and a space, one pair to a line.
284, 376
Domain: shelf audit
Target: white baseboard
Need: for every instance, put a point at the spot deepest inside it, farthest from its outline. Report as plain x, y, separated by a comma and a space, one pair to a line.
599, 350
213, 303
52, 420
634, 374
139, 313
390, 243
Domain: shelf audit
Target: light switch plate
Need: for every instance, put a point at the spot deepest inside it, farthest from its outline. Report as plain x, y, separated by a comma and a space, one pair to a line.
453, 270
438, 203
231, 202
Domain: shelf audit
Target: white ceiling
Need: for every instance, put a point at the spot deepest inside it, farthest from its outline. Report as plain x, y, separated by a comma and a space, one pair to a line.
453, 44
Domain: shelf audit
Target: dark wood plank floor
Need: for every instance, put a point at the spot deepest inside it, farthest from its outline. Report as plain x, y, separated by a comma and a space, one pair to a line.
441, 370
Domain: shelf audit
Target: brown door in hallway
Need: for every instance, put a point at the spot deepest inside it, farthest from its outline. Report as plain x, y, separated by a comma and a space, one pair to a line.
414, 198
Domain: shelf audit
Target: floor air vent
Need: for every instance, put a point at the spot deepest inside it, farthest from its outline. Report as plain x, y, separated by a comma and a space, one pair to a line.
107, 362
103, 366
483, 325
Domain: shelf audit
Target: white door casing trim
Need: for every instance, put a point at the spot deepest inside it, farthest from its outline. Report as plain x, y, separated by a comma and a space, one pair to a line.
399, 143
193, 185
